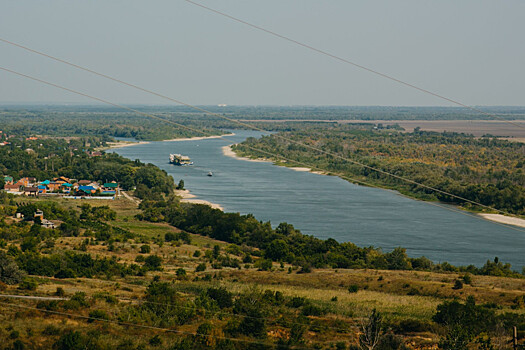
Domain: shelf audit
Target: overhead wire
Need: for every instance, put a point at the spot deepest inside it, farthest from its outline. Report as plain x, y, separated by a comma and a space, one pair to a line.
215, 313
347, 61
262, 130
136, 325
246, 124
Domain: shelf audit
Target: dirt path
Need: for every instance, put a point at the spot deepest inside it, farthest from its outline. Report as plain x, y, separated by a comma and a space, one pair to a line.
31, 297
134, 200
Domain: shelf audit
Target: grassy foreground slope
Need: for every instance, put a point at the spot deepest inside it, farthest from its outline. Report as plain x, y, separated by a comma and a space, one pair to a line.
203, 293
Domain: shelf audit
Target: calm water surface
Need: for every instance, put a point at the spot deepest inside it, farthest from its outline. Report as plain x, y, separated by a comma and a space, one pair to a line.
327, 206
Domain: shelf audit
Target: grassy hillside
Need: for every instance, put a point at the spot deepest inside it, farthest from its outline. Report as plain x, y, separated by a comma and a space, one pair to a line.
194, 300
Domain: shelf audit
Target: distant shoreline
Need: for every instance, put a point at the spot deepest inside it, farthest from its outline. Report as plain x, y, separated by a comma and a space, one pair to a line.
196, 138
228, 151
113, 145
502, 219
120, 144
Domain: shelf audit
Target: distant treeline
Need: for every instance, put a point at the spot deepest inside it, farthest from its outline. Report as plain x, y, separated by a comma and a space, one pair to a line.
115, 122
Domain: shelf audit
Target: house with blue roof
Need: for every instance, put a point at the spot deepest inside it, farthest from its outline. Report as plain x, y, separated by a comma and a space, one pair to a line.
87, 189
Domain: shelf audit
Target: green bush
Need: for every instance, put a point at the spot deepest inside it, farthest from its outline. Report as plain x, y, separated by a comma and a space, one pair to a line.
28, 284
223, 298
153, 262
97, 315
354, 288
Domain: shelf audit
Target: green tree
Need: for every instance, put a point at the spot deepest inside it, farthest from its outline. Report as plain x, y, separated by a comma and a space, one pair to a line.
9, 271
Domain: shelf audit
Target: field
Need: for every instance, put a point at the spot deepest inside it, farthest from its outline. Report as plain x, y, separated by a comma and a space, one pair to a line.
400, 296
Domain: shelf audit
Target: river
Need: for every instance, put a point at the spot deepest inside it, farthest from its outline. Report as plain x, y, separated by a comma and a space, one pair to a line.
327, 206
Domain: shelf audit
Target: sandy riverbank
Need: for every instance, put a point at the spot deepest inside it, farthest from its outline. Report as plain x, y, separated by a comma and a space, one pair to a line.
187, 197
196, 138
227, 151
502, 219
112, 145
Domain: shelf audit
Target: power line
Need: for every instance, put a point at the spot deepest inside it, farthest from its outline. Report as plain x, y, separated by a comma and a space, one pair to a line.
262, 130
347, 61
246, 124
136, 325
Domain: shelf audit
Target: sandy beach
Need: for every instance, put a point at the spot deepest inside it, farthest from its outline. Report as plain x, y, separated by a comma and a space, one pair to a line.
196, 138
112, 145
502, 219
308, 170
187, 197
227, 151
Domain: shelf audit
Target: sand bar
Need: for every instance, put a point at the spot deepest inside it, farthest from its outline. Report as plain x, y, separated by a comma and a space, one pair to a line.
227, 151
502, 219
196, 138
111, 145
187, 197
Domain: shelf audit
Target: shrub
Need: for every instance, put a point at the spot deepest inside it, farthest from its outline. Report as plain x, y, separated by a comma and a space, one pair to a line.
97, 315
296, 302
312, 310
197, 253
201, 267
170, 236
263, 264
76, 301
411, 325
71, 341
145, 249
467, 278
354, 288
9, 271
153, 262
139, 258
51, 330
155, 341
458, 285
221, 296
28, 284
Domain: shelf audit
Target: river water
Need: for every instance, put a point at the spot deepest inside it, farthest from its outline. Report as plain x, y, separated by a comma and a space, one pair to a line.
327, 206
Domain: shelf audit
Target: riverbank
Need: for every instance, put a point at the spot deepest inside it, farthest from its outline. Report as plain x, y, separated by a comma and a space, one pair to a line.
196, 138
228, 151
187, 197
113, 145
121, 144
503, 219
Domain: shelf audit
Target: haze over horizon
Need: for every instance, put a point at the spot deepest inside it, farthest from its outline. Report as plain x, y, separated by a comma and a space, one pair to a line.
467, 51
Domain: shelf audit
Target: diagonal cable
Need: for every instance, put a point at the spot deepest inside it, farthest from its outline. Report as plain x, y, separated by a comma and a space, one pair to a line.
347, 61
277, 136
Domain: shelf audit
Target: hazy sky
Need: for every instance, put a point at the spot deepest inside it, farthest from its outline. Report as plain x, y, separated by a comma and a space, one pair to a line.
470, 50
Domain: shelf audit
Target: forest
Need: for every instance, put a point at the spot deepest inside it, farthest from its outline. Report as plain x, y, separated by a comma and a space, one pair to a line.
166, 274
484, 170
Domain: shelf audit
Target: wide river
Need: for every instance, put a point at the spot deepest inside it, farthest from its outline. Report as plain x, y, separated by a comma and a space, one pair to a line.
327, 206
